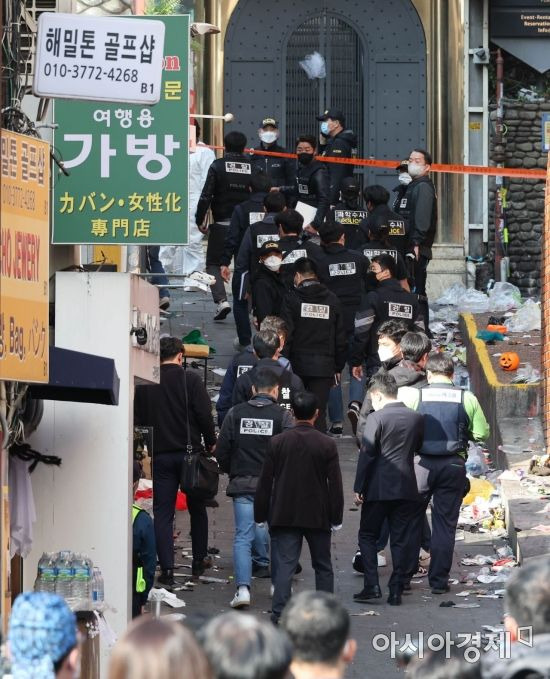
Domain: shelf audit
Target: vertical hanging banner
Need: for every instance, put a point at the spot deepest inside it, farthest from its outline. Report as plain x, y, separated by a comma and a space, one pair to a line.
24, 259
128, 165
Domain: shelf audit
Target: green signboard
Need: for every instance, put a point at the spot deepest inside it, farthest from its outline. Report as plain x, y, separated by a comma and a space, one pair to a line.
128, 164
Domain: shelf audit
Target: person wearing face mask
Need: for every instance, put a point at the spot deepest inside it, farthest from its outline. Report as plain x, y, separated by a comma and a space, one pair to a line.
349, 213
419, 207
379, 244
311, 183
340, 143
267, 287
388, 302
403, 180
292, 245
281, 171
385, 486
381, 218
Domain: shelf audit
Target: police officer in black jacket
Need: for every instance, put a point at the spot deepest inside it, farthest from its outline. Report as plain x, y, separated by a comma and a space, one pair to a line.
226, 186
311, 185
316, 343
280, 170
381, 216
292, 245
388, 302
340, 143
349, 213
345, 273
379, 244
419, 207
268, 288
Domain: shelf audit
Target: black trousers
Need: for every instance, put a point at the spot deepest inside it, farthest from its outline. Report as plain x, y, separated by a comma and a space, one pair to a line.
320, 386
286, 547
420, 276
398, 514
214, 251
442, 480
167, 469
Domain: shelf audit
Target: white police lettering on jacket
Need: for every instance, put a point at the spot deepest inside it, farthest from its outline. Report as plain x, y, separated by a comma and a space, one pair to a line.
242, 369
403, 203
397, 227
254, 217
441, 394
294, 256
400, 310
231, 167
262, 238
353, 217
342, 269
303, 188
321, 311
375, 253
285, 397
256, 426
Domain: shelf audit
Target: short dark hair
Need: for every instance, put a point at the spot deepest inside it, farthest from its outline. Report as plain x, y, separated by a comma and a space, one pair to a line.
317, 625
387, 263
260, 182
307, 139
447, 662
264, 379
384, 383
395, 330
527, 597
376, 194
331, 232
306, 267
440, 364
170, 347
234, 142
275, 201
427, 155
303, 404
265, 343
289, 221
414, 345
239, 646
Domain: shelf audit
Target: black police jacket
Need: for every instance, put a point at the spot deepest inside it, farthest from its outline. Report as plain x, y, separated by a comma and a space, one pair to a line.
281, 171
311, 187
374, 248
268, 290
316, 343
289, 383
388, 302
350, 215
244, 214
419, 207
345, 273
225, 187
342, 145
383, 216
294, 248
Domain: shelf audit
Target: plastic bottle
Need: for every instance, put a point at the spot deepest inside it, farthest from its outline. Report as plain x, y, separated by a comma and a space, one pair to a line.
82, 578
39, 583
98, 593
49, 573
64, 580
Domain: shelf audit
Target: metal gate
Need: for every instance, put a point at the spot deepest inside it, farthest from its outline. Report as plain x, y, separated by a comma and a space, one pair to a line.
344, 84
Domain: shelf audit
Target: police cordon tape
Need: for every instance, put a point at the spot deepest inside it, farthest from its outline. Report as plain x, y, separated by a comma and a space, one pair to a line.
523, 173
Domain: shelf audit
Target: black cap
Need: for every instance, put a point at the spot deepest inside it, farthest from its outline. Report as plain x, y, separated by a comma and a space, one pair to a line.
349, 184
269, 246
333, 114
403, 165
269, 121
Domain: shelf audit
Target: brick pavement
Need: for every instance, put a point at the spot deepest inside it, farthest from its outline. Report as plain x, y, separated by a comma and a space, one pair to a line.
420, 610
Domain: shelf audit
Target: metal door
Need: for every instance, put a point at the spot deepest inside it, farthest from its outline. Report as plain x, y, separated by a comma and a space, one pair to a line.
344, 84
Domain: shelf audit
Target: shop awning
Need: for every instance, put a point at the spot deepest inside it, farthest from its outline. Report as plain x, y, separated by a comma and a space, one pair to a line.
75, 376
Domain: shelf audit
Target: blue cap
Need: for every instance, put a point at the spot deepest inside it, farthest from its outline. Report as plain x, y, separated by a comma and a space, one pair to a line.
42, 630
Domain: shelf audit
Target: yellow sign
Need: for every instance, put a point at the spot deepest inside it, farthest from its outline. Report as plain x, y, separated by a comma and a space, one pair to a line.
475, 126
24, 259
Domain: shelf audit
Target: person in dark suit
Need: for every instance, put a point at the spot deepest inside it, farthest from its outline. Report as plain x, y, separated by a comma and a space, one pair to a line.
295, 510
385, 484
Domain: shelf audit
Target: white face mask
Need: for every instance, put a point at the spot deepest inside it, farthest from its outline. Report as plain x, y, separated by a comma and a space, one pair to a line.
385, 353
273, 263
268, 137
405, 178
415, 170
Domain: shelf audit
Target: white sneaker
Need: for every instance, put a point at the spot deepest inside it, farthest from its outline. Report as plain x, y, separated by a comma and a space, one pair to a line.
222, 310
381, 559
202, 277
241, 598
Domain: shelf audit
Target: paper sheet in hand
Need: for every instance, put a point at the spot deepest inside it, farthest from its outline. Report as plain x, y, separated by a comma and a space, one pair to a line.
307, 211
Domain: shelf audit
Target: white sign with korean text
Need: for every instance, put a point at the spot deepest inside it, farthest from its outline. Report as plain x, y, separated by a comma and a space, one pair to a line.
99, 58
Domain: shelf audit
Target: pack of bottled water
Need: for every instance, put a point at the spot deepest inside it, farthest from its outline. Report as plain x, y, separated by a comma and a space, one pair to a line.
71, 576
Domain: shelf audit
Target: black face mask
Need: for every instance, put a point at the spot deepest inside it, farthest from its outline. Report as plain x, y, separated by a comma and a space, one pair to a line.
305, 158
350, 197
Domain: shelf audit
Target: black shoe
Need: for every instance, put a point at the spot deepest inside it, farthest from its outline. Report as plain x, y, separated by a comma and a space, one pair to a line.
368, 593
357, 562
394, 598
260, 571
198, 567
298, 569
166, 578
212, 502
354, 411
441, 590
407, 587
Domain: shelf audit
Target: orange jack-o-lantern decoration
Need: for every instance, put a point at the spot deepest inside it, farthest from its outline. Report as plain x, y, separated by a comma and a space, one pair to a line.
509, 361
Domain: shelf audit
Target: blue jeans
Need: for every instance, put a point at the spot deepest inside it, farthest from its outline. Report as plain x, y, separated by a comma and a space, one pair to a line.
154, 265
248, 537
356, 392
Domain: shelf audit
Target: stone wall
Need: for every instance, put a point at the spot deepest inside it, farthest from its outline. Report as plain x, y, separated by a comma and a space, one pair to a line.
521, 147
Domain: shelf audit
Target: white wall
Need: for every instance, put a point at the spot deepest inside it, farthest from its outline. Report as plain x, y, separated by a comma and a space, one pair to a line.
85, 504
